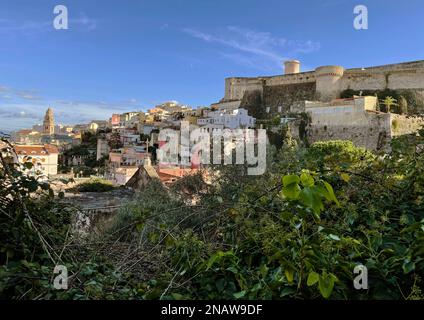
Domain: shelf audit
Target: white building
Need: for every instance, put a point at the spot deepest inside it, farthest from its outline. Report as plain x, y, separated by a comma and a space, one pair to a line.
43, 157
130, 119
234, 119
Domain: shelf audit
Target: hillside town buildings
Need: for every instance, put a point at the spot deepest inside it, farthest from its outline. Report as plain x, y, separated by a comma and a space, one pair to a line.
44, 158
329, 103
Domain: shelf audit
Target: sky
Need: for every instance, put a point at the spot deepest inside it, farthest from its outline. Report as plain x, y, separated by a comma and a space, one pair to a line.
129, 55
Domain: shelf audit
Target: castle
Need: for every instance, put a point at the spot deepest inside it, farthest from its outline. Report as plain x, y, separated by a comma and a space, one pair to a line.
340, 103
326, 83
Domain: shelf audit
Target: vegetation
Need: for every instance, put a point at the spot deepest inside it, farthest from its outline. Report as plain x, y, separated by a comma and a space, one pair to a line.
87, 151
389, 103
403, 105
408, 100
95, 185
296, 232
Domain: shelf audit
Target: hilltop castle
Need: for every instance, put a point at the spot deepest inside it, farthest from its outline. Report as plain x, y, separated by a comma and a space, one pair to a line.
338, 103
324, 84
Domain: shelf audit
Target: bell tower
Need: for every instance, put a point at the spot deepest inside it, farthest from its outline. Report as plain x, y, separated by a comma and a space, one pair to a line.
48, 123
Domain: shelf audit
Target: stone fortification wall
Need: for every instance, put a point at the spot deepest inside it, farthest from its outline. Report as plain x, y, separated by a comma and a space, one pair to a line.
370, 130
330, 81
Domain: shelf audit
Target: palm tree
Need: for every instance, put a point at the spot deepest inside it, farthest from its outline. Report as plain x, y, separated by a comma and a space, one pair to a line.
389, 102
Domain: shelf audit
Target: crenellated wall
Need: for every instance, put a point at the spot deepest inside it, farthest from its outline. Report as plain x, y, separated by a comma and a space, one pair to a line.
330, 81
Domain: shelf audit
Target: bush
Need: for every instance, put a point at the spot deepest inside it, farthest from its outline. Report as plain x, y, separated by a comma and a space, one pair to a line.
95, 185
403, 105
292, 233
296, 232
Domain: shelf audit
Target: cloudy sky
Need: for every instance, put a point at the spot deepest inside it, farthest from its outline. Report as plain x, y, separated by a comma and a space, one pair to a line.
131, 54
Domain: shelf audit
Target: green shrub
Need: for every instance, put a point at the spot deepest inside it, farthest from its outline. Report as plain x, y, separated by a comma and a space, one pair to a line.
96, 185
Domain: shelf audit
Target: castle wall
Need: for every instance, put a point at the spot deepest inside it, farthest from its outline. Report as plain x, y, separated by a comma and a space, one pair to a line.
330, 81
326, 84
279, 98
369, 130
236, 87
380, 80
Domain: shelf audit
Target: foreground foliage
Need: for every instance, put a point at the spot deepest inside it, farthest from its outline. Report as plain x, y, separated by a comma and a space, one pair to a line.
297, 232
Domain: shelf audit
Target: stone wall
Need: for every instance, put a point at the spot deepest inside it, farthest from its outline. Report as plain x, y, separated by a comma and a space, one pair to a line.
330, 81
236, 87
401, 125
373, 134
252, 102
285, 95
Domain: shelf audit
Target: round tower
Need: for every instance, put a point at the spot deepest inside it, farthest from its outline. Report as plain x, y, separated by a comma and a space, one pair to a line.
328, 82
291, 66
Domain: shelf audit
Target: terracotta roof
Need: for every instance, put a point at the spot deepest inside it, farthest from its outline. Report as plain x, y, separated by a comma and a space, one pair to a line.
164, 177
24, 131
39, 150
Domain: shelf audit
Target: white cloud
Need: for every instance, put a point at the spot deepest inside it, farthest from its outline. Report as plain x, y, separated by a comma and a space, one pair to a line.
20, 114
255, 49
9, 27
10, 93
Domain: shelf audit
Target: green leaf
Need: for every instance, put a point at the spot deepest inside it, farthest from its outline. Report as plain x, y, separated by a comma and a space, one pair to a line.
28, 165
331, 195
32, 186
307, 180
177, 296
263, 270
290, 179
334, 237
292, 191
239, 295
287, 291
232, 269
408, 266
311, 199
289, 275
345, 177
313, 278
326, 285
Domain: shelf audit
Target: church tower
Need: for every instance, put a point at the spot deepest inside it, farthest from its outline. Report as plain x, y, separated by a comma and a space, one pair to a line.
48, 124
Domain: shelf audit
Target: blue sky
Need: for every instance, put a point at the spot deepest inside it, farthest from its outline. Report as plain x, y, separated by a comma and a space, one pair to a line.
127, 55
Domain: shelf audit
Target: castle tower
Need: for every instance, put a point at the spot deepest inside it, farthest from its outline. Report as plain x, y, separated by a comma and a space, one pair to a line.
48, 123
291, 66
328, 82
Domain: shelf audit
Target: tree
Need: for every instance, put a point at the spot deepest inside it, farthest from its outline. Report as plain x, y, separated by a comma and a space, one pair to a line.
389, 102
403, 105
115, 141
144, 137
